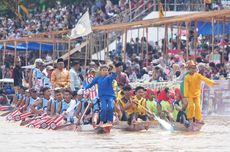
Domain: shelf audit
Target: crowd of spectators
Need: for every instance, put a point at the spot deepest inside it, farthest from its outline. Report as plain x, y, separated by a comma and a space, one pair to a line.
63, 17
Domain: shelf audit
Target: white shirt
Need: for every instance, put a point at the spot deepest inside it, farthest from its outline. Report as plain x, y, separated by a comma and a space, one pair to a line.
71, 109
75, 81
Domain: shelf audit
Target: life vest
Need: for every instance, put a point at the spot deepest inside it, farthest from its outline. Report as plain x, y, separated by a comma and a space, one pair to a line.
45, 103
64, 106
55, 106
32, 100
152, 106
165, 105
141, 105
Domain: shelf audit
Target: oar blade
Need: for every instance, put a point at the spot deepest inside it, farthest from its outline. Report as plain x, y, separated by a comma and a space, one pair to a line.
165, 124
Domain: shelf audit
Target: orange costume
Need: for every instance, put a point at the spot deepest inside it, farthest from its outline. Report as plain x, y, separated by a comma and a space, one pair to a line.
192, 89
60, 78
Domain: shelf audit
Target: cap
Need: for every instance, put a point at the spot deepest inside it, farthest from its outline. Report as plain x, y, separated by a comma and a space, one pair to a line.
118, 64
48, 68
75, 63
60, 60
80, 92
38, 60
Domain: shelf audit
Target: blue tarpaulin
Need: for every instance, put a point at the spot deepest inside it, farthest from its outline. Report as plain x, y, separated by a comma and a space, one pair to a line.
32, 46
205, 28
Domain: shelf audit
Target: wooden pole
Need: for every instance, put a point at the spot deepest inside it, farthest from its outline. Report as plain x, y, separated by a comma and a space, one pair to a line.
4, 53
178, 36
100, 44
107, 43
187, 40
195, 38
172, 36
27, 53
224, 21
69, 47
125, 41
15, 51
147, 46
105, 49
213, 38
86, 50
142, 44
40, 50
166, 39
54, 48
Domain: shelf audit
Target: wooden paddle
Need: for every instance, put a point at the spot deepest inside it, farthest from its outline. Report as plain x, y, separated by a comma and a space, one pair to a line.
79, 123
164, 123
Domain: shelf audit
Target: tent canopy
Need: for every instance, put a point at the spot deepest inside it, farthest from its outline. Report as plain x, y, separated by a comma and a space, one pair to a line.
34, 46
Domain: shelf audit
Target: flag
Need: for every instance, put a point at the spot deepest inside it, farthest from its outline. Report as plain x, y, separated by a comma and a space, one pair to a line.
22, 6
161, 9
82, 28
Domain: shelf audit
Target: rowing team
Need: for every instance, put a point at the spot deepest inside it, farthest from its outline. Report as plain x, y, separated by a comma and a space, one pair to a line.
129, 105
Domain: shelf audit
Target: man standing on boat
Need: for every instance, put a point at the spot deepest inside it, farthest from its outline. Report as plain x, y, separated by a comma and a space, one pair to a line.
17, 74
192, 89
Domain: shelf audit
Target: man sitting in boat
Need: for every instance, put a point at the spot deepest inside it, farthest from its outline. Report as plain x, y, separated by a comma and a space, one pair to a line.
179, 109
32, 99
64, 104
82, 101
58, 99
165, 107
71, 106
43, 105
152, 101
122, 106
141, 104
19, 96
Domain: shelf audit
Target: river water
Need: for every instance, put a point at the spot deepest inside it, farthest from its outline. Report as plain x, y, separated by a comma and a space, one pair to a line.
214, 137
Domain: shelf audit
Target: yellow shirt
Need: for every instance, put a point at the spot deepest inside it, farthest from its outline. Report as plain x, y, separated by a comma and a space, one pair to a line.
192, 84
141, 105
60, 78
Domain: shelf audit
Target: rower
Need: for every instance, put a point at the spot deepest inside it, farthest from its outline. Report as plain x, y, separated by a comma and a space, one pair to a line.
165, 107
122, 105
43, 105
140, 103
19, 96
152, 101
68, 109
83, 100
179, 109
58, 99
32, 99
96, 112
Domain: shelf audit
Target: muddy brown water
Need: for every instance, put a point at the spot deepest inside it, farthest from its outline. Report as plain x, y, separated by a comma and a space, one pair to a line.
213, 137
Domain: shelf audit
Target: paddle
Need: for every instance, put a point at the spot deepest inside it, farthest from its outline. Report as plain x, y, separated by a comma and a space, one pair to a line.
79, 123
6, 113
164, 123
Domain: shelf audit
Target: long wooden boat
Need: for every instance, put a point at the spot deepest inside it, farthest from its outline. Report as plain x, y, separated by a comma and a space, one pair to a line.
39, 121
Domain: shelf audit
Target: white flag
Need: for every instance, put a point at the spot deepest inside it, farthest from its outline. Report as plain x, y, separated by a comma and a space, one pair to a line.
82, 28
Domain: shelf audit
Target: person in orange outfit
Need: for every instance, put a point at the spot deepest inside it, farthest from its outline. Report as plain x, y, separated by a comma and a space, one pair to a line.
192, 89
